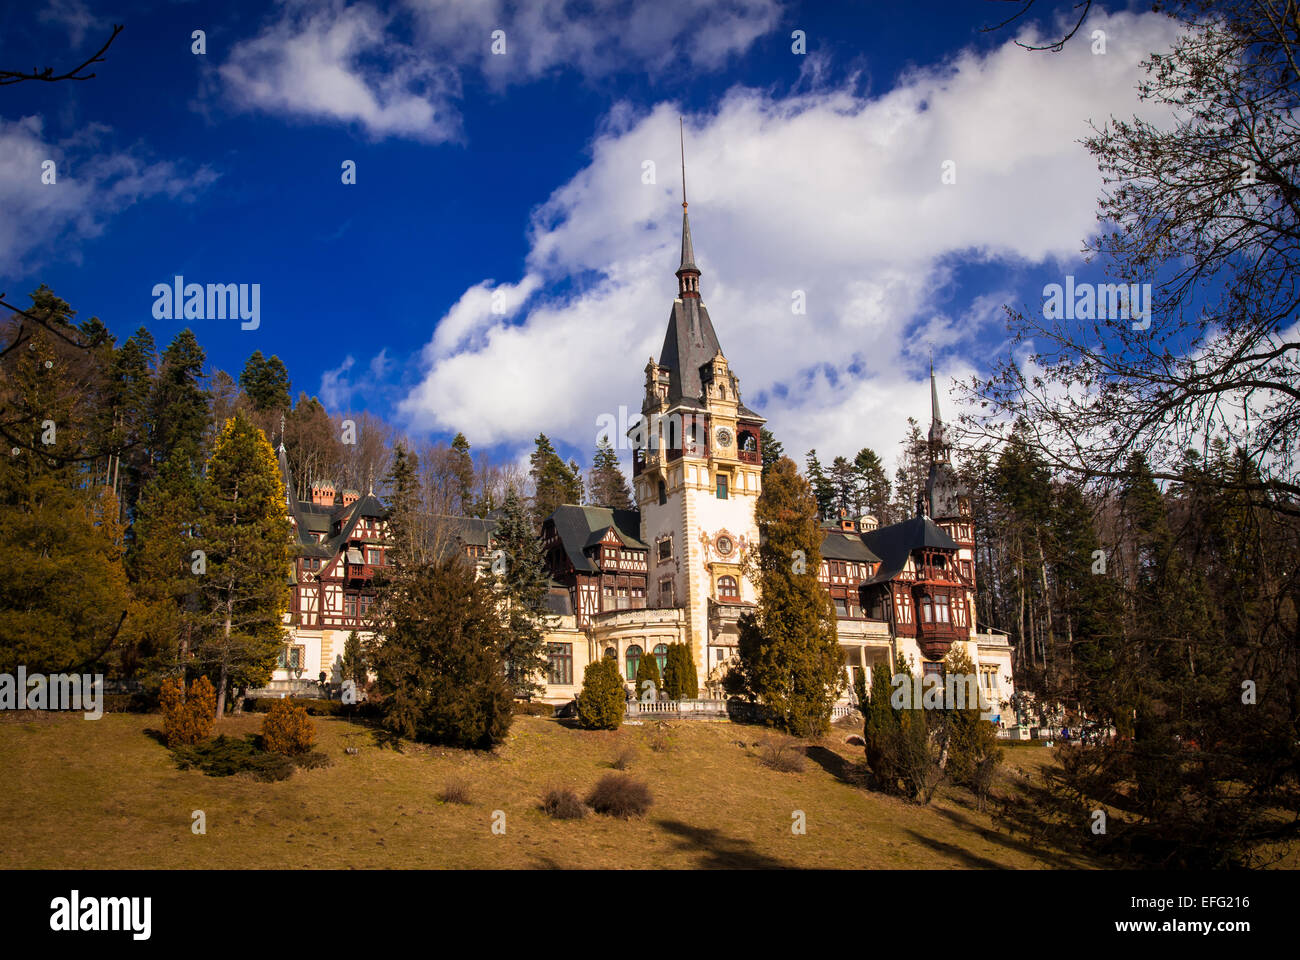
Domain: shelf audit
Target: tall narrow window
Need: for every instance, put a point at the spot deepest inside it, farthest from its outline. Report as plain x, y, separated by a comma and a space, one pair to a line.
633, 660
661, 655
559, 663
722, 486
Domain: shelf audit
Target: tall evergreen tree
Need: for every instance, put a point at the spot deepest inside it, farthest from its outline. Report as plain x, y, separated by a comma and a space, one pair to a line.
265, 383
178, 405
439, 669
246, 537
607, 486
823, 488
523, 588
771, 449
462, 476
554, 483
873, 484
789, 657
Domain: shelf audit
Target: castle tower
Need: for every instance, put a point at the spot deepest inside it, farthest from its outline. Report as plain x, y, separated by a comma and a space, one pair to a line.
696, 473
947, 500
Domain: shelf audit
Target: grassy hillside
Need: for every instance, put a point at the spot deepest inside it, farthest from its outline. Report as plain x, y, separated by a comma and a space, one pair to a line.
105, 794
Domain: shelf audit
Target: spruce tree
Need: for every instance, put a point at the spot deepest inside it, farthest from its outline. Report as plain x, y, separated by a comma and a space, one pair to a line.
554, 482
789, 657
602, 700
607, 486
178, 405
523, 586
823, 489
246, 537
439, 668
265, 383
462, 476
770, 449
647, 670
873, 484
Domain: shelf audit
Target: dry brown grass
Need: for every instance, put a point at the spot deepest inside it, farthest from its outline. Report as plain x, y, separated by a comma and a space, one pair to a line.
105, 794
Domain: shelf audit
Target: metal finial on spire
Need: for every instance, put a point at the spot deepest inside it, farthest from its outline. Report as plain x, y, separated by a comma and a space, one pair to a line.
681, 136
281, 430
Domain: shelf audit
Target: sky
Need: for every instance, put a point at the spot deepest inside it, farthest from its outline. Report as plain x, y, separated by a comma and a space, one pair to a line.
503, 263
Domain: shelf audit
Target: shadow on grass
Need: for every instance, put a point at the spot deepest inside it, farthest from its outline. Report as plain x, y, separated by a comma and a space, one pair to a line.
843, 770
1026, 846
718, 851
156, 735
965, 856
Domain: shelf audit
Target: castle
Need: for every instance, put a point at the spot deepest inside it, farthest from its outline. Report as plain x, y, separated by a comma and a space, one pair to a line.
627, 583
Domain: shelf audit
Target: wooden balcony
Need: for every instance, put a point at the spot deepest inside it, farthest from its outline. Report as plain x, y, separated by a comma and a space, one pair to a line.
750, 456
359, 571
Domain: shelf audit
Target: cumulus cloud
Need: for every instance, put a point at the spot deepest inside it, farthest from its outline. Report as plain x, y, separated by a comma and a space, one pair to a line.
829, 193
92, 182
396, 70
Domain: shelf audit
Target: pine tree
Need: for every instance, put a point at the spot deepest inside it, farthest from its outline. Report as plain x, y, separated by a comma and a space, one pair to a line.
822, 487
912, 473
844, 482
462, 476
265, 383
165, 573
607, 486
789, 655
439, 668
873, 484
354, 660
647, 671
554, 482
882, 727
178, 405
246, 537
523, 587
770, 450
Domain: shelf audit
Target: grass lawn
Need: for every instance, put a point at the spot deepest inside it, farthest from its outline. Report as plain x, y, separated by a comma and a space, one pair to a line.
106, 794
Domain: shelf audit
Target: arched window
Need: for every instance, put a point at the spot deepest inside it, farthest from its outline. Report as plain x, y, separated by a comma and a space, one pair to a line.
747, 442
611, 653
633, 660
661, 654
728, 589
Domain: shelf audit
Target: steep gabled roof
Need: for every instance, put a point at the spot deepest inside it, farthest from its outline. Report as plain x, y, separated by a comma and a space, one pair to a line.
580, 528
895, 543
837, 545
689, 344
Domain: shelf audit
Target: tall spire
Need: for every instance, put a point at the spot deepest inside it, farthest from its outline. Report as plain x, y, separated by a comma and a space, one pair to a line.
688, 274
936, 422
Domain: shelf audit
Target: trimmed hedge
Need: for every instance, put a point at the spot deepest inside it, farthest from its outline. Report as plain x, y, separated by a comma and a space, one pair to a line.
314, 706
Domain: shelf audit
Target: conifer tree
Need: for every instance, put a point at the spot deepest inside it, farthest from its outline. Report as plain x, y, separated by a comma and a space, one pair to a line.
354, 660
770, 449
602, 700
823, 488
554, 482
265, 383
439, 667
873, 484
607, 486
647, 670
789, 657
246, 538
178, 405
462, 473
523, 586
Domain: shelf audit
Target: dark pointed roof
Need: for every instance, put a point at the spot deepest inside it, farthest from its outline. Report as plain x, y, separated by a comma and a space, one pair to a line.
689, 344
688, 248
895, 543
581, 528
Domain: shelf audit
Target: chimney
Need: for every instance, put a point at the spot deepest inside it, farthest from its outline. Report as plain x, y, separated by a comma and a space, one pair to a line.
322, 493
350, 497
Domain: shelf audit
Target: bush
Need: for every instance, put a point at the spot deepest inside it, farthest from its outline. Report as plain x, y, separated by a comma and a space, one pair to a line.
616, 795
315, 706
662, 740
227, 756
625, 759
187, 718
647, 671
533, 708
456, 791
563, 804
602, 700
782, 754
680, 682
126, 703
287, 729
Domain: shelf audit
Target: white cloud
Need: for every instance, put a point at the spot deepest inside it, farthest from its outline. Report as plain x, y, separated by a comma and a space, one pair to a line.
828, 192
92, 182
397, 71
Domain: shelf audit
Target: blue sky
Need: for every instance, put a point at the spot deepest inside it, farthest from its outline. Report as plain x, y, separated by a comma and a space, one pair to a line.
523, 175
